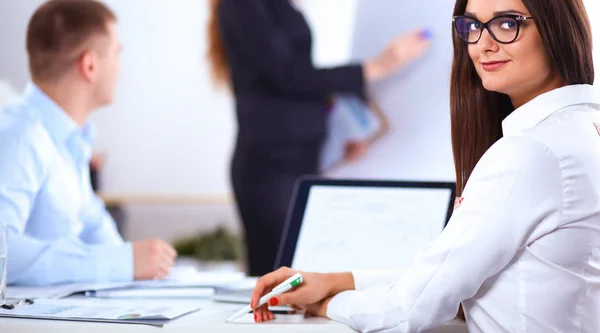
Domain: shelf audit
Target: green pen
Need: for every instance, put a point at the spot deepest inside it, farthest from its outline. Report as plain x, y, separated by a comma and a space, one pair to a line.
285, 286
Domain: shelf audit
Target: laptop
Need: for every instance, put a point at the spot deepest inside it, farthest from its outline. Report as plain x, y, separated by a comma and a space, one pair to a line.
337, 225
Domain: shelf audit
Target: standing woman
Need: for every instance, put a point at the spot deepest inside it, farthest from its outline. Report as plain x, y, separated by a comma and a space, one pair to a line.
522, 252
262, 49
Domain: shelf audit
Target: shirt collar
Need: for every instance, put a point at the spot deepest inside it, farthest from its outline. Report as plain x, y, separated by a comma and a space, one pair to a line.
544, 105
56, 121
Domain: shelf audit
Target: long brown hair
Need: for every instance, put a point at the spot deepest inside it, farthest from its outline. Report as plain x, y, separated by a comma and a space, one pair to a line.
476, 114
216, 51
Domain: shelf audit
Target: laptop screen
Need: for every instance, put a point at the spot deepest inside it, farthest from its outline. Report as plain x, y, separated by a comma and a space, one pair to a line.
343, 225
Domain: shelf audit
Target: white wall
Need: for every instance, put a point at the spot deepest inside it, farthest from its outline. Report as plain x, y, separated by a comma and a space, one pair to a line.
14, 16
332, 23
169, 131
593, 9
7, 92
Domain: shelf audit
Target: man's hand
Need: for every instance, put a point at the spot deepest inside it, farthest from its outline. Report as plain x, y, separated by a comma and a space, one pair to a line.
153, 259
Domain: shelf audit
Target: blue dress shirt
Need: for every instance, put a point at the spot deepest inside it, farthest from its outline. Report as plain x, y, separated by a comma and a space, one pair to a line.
58, 230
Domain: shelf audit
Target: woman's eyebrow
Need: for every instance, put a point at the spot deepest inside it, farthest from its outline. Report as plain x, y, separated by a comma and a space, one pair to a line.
505, 12
469, 14
499, 13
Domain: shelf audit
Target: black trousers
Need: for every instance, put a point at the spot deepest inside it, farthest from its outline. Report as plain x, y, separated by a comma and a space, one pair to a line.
263, 177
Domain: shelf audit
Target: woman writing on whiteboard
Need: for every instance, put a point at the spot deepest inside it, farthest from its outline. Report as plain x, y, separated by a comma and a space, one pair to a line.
262, 49
522, 252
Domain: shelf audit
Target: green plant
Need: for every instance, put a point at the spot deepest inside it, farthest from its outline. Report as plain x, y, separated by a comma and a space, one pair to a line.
186, 247
218, 245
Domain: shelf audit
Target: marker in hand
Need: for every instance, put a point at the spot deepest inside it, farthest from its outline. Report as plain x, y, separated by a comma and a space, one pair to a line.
427, 33
284, 287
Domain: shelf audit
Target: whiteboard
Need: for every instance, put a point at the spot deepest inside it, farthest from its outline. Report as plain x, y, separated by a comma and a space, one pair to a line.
416, 100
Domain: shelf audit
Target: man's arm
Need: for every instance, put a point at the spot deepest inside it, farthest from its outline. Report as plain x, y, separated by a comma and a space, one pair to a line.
99, 226
24, 163
36, 263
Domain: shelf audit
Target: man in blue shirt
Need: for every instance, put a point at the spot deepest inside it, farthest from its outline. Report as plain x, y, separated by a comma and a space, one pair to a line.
59, 231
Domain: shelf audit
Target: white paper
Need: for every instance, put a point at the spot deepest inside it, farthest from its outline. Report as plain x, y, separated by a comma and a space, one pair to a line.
239, 292
350, 120
247, 283
58, 291
66, 309
181, 277
347, 228
155, 293
186, 277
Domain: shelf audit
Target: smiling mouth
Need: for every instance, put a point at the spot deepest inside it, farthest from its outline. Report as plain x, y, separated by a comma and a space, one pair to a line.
491, 66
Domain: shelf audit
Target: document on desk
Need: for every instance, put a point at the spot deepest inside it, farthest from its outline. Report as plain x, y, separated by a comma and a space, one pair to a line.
180, 278
140, 292
58, 291
182, 283
76, 311
184, 277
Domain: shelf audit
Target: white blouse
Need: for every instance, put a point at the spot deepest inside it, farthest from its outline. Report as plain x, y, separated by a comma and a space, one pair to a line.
522, 253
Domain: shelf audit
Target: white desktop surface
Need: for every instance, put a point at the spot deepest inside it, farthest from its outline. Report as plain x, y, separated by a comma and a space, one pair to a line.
211, 318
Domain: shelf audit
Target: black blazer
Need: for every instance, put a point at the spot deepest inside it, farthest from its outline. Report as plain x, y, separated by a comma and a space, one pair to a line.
279, 94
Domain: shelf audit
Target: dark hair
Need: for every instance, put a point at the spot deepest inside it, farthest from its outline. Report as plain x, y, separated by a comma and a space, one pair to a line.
60, 31
216, 51
476, 114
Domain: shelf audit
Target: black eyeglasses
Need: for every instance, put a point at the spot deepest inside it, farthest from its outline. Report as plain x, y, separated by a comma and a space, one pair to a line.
504, 29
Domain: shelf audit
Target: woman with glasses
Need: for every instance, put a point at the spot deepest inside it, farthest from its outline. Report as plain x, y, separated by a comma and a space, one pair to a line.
262, 50
522, 252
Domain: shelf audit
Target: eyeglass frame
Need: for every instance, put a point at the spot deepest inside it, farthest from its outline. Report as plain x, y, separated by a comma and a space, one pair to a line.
518, 18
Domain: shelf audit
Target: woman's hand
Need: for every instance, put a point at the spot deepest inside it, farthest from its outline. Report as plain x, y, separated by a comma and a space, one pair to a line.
355, 150
312, 295
318, 309
398, 54
458, 202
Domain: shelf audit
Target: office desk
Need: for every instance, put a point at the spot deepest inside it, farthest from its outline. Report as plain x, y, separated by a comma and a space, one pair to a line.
211, 318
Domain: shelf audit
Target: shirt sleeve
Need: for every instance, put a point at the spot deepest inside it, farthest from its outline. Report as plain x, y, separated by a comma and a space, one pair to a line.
365, 279
23, 166
513, 196
100, 227
260, 43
